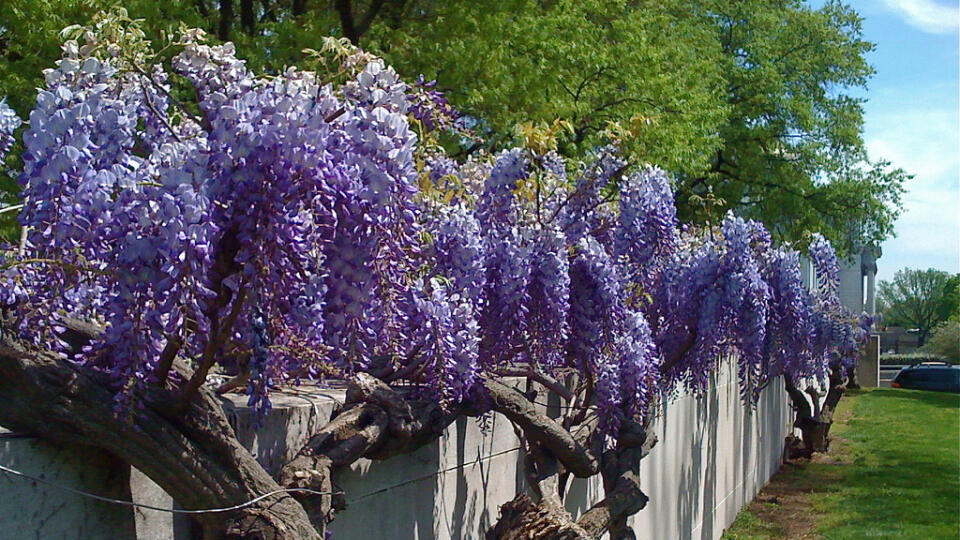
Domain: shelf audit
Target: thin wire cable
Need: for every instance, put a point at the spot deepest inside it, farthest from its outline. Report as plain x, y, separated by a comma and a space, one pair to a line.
80, 492
157, 508
479, 460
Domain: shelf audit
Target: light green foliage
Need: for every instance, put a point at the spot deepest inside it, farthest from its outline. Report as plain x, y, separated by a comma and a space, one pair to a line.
654, 70
945, 341
792, 153
950, 305
750, 103
916, 299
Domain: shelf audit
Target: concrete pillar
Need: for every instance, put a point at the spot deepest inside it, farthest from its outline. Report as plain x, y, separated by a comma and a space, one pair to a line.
868, 265
868, 370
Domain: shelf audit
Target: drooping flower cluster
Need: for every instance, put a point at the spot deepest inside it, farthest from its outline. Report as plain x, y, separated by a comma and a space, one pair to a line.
584, 211
430, 106
837, 333
789, 318
9, 122
282, 216
283, 231
648, 228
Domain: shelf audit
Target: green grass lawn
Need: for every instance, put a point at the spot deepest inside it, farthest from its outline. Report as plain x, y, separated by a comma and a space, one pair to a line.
893, 472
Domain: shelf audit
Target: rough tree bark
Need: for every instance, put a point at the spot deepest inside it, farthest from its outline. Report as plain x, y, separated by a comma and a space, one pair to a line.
376, 422
813, 418
522, 518
193, 456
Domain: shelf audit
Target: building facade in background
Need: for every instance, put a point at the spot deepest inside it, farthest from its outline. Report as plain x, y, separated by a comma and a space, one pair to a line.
858, 279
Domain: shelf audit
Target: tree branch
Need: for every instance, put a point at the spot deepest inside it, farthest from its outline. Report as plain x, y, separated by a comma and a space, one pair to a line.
541, 429
195, 457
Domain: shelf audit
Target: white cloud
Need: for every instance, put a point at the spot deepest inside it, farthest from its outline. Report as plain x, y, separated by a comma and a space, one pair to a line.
928, 234
927, 15
923, 140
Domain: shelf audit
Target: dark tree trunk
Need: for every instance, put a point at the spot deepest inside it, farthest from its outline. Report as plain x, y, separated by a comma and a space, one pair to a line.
347, 24
299, 7
524, 519
193, 456
247, 17
377, 422
226, 19
353, 29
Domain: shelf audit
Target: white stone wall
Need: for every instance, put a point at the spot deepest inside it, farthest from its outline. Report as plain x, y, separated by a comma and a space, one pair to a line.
32, 510
713, 456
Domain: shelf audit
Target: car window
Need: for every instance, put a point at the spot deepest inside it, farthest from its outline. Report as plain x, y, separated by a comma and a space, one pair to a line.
932, 374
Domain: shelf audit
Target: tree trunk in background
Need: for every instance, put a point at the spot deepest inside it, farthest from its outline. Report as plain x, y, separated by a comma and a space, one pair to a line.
226, 19
247, 17
299, 7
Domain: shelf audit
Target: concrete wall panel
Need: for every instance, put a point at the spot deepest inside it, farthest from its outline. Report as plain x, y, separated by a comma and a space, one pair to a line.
714, 454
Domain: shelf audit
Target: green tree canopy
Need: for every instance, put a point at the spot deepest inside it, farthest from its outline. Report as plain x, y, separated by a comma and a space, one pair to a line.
916, 299
945, 340
751, 104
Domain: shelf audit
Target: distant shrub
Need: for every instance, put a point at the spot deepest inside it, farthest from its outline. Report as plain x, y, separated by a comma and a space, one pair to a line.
913, 358
945, 341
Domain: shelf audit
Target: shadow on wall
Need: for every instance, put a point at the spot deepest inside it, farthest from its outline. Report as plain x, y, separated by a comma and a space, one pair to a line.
449, 489
712, 457
33, 510
698, 481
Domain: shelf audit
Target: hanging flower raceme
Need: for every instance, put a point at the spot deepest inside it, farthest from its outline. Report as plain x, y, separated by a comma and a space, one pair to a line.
648, 227
548, 296
837, 333
282, 231
459, 251
585, 212
826, 265
790, 329
9, 122
596, 318
444, 339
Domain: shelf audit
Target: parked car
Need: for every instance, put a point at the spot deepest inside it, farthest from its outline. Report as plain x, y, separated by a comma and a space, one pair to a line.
937, 376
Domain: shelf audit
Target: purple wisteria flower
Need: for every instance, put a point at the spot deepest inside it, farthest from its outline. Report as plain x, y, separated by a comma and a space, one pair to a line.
281, 230
9, 122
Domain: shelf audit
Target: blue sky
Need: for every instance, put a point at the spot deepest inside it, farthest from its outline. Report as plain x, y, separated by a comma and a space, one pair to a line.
911, 119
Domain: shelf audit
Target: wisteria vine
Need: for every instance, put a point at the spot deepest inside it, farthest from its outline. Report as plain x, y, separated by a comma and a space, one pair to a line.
297, 229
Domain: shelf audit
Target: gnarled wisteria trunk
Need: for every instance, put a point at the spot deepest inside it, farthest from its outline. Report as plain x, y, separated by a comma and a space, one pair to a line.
291, 228
193, 455
815, 410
